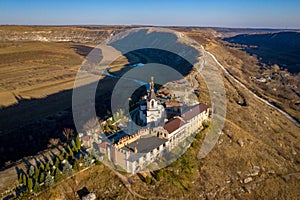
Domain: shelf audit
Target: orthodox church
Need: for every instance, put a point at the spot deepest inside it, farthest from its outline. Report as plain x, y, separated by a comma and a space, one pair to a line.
152, 112
134, 152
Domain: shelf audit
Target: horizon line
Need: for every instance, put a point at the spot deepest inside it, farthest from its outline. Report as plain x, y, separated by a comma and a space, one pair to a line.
151, 25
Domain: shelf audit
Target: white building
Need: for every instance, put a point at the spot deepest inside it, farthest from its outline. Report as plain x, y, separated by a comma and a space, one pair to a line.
135, 152
152, 113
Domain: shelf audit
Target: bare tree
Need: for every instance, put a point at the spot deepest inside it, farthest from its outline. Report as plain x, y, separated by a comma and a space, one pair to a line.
68, 133
53, 142
91, 124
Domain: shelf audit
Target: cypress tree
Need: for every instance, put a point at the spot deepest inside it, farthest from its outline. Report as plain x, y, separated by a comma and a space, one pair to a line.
24, 179
36, 174
42, 167
47, 168
80, 157
30, 184
78, 142
57, 175
66, 155
121, 113
50, 162
76, 165
61, 156
20, 179
42, 177
70, 152
31, 171
57, 162
74, 148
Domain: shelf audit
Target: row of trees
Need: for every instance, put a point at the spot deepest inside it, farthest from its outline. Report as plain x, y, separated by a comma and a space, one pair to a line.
45, 174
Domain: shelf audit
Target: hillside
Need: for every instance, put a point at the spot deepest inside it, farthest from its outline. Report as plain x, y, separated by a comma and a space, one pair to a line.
77, 34
280, 48
256, 157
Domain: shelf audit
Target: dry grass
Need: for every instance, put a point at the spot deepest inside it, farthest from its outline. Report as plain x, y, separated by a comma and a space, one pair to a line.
35, 69
98, 179
270, 142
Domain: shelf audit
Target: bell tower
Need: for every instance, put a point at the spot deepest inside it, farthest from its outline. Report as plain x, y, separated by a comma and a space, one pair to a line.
151, 99
155, 111
152, 112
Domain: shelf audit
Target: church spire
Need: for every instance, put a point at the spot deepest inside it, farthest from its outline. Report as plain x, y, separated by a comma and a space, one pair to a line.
151, 90
152, 83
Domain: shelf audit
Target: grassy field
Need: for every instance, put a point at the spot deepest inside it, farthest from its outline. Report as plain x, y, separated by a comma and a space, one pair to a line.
36, 69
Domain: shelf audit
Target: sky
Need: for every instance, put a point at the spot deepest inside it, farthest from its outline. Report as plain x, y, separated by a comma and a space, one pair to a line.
208, 13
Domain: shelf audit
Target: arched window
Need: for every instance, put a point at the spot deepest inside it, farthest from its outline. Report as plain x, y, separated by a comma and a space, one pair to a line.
152, 103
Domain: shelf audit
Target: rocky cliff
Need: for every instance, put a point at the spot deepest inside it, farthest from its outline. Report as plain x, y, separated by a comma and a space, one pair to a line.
93, 35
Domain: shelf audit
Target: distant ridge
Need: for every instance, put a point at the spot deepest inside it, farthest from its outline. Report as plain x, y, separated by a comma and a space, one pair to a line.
282, 48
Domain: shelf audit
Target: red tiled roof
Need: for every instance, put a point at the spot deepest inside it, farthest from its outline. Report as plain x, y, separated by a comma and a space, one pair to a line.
194, 111
173, 125
86, 138
104, 144
173, 104
165, 92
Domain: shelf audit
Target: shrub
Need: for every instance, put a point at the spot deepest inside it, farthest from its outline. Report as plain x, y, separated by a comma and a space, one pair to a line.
206, 124
148, 180
198, 136
49, 180
98, 162
87, 161
67, 169
152, 181
76, 165
37, 187
194, 144
159, 175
